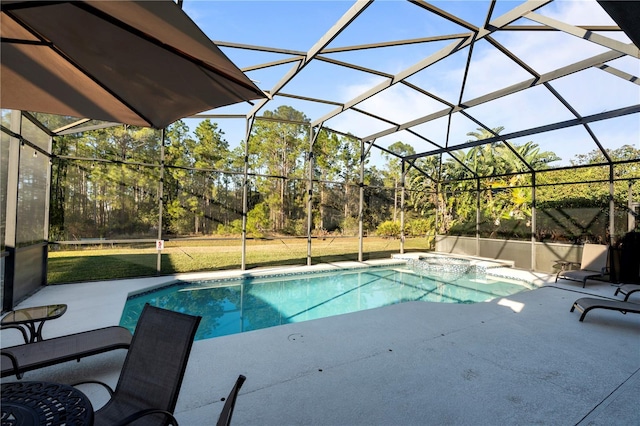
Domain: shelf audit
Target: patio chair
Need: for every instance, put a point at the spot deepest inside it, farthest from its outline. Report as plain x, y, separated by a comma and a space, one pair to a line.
32, 356
151, 377
627, 290
227, 411
592, 265
587, 304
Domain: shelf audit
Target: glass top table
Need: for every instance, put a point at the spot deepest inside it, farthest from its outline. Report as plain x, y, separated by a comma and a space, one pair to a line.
31, 320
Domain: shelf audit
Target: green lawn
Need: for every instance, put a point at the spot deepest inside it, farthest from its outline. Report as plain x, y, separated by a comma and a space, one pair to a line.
91, 264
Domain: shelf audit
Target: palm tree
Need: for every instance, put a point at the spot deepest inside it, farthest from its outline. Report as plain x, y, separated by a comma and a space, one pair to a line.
495, 163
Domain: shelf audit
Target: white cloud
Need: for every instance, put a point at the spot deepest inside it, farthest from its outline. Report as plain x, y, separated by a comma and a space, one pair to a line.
397, 103
578, 12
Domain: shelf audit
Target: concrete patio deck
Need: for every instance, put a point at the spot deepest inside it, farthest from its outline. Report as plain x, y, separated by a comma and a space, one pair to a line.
520, 360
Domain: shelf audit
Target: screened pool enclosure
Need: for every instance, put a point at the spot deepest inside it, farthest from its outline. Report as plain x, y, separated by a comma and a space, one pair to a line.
497, 129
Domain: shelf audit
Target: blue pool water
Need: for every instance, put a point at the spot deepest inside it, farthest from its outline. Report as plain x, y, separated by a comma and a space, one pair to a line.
236, 305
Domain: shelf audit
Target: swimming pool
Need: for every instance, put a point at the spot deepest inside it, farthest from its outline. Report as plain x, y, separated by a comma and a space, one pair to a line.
230, 306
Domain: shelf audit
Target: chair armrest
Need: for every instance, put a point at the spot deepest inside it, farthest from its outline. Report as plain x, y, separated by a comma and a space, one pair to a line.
227, 411
14, 364
135, 416
104, 385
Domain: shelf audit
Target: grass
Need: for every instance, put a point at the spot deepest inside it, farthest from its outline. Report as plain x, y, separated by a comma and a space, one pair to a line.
116, 262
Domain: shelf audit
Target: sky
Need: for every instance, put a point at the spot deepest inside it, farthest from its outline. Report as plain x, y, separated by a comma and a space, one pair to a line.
298, 25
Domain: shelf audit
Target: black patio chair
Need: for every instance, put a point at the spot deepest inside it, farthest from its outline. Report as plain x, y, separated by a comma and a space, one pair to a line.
227, 411
592, 265
151, 377
32, 356
586, 304
627, 290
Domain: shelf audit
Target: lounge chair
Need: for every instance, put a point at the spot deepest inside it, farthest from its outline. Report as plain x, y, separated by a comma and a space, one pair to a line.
627, 290
151, 377
227, 411
586, 304
31, 356
592, 265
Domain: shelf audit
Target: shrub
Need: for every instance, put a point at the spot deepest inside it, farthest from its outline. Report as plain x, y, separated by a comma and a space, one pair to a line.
258, 220
350, 226
388, 228
419, 227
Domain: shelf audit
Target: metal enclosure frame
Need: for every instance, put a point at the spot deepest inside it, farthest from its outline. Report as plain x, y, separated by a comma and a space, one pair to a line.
467, 38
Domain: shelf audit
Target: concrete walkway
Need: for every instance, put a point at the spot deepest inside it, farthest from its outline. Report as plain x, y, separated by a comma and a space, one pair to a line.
516, 361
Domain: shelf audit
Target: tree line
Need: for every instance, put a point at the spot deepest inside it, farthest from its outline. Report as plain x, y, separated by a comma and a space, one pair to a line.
106, 184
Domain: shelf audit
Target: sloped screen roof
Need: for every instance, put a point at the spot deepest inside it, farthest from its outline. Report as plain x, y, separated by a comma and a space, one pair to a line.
563, 74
